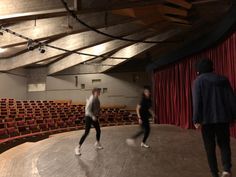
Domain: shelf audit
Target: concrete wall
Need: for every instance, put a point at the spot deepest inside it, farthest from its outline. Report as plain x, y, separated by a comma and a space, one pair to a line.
122, 89
13, 85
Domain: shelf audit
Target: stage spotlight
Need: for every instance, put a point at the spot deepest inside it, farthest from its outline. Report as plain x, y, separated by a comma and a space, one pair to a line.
41, 48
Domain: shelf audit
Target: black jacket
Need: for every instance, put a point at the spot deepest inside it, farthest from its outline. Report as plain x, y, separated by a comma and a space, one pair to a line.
213, 99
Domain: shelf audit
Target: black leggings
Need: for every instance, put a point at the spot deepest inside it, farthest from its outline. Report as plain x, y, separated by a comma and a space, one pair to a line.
145, 129
219, 133
88, 122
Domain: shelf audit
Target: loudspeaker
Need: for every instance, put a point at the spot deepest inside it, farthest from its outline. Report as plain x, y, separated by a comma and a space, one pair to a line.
76, 81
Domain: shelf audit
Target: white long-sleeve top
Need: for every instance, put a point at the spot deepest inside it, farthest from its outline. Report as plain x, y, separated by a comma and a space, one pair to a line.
92, 107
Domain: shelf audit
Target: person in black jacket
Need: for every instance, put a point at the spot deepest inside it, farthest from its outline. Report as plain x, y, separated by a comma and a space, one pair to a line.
144, 112
214, 107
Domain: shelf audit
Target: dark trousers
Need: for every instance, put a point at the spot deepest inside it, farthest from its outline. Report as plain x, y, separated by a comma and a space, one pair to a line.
88, 122
219, 133
145, 130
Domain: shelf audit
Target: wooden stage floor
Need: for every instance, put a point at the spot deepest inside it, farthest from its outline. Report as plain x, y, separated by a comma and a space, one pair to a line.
174, 152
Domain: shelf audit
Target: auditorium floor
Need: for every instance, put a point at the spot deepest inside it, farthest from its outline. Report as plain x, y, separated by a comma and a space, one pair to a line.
174, 152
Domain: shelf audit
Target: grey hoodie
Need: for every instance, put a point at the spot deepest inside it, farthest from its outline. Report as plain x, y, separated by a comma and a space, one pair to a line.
92, 107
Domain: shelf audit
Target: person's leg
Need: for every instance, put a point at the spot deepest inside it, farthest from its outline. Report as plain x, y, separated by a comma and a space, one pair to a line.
223, 140
131, 141
98, 130
208, 134
98, 134
146, 128
88, 122
139, 132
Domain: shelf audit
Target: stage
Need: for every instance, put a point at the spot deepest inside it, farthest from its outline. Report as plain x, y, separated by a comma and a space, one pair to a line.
174, 152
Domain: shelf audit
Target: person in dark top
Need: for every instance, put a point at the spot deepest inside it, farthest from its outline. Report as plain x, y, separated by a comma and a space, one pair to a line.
144, 112
214, 108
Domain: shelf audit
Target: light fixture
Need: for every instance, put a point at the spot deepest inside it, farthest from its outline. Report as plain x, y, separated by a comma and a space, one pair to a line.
2, 50
31, 45
41, 48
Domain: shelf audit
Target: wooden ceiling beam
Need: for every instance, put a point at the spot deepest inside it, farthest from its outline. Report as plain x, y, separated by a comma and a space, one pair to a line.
164, 9
198, 2
62, 12
181, 3
177, 20
44, 32
101, 49
151, 10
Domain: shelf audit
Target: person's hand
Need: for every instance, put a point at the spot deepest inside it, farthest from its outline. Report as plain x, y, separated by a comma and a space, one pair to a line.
153, 116
197, 126
140, 121
94, 118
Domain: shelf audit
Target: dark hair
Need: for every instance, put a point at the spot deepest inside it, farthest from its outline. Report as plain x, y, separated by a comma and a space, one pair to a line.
95, 90
205, 65
146, 88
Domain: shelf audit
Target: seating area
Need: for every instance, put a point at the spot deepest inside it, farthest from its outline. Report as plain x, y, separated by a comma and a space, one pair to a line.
24, 120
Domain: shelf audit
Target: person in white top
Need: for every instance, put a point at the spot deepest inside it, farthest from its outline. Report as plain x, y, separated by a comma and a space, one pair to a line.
92, 109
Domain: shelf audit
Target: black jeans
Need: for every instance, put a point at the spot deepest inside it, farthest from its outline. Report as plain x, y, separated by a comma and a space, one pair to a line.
88, 122
145, 129
217, 132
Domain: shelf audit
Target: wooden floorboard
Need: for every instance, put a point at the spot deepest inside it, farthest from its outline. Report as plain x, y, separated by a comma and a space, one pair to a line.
174, 152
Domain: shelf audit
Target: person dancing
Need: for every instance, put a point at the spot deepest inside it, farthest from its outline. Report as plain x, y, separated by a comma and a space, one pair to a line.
144, 112
92, 109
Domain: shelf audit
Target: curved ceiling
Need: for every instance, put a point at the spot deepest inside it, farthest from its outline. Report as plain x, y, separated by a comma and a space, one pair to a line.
170, 22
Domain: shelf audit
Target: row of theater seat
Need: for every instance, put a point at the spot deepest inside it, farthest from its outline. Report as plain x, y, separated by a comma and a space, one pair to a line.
21, 119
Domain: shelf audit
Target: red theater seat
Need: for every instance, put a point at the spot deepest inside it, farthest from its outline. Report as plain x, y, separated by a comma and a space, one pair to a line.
23, 127
52, 125
43, 126
40, 121
34, 128
61, 124
31, 122
22, 119
3, 134
12, 131
20, 123
11, 124
4, 113
70, 123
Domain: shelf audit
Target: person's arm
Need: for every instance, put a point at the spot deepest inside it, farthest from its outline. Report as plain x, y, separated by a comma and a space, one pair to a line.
152, 112
138, 113
232, 100
197, 104
89, 106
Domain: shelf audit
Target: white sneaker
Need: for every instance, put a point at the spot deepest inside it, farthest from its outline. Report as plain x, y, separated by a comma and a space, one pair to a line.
77, 150
226, 174
98, 146
144, 145
130, 142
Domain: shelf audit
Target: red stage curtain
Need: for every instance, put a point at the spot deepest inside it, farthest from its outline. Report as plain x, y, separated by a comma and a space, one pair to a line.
172, 84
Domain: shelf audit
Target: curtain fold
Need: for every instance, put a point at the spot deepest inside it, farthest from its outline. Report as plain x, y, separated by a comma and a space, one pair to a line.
172, 84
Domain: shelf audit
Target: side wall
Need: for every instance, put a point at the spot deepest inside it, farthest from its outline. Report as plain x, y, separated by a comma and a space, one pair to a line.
13, 85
